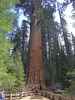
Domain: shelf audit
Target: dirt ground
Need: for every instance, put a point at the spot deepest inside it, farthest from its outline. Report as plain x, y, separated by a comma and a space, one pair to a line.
34, 98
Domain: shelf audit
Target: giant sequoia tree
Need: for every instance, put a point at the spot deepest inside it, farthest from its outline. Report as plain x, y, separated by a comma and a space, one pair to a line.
35, 72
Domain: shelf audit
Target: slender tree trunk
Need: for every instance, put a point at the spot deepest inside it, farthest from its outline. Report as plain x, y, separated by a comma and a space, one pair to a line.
10, 96
35, 75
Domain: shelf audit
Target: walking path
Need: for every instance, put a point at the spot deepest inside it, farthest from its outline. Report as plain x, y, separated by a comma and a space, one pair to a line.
34, 98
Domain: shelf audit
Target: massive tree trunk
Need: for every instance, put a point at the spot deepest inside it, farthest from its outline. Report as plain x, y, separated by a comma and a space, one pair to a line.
35, 71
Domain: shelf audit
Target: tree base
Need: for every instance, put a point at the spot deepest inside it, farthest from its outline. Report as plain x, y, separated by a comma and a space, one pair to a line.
34, 89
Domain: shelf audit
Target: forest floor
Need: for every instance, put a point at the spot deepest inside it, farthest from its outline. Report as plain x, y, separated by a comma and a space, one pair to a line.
34, 98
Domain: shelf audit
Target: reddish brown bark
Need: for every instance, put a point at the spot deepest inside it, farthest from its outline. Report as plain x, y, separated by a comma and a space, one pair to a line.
35, 75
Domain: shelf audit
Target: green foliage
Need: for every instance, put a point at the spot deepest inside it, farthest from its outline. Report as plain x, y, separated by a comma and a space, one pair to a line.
4, 4
19, 68
7, 81
71, 89
11, 72
4, 61
11, 69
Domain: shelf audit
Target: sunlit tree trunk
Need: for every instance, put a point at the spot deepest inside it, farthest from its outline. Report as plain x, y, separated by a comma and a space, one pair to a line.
35, 70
